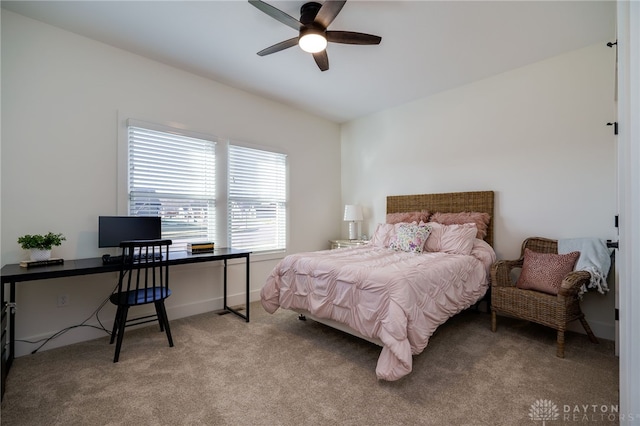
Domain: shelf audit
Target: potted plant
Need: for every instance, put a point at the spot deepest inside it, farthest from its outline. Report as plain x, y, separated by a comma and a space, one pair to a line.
40, 245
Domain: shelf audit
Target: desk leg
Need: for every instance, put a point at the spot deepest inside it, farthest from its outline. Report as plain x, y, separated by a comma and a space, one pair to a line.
12, 325
226, 307
247, 289
3, 360
224, 297
8, 331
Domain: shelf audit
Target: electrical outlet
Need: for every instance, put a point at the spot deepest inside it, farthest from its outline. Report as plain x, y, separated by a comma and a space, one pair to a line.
63, 300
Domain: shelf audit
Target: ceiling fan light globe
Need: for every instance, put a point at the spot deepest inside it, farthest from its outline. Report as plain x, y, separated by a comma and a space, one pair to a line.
312, 43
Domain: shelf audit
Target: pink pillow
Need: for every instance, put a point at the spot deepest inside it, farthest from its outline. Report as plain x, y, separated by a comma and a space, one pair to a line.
453, 239
545, 271
383, 234
480, 219
408, 217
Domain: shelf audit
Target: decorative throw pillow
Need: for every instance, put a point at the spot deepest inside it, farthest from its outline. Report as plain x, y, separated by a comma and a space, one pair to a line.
410, 237
480, 219
545, 271
408, 217
452, 239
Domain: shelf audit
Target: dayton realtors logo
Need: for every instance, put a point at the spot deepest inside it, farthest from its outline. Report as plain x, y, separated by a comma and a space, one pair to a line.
544, 410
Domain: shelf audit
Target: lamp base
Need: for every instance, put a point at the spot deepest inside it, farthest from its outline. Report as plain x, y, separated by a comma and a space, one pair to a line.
353, 231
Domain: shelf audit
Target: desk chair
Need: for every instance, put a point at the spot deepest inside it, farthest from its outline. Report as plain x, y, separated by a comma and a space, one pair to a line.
143, 279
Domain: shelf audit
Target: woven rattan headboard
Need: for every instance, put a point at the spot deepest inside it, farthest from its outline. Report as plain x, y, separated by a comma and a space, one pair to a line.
450, 202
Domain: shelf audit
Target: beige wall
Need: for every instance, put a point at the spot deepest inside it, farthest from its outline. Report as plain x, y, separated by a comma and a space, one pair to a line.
63, 100
537, 136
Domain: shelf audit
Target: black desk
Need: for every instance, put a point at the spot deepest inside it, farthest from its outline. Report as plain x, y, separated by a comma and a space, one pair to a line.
12, 274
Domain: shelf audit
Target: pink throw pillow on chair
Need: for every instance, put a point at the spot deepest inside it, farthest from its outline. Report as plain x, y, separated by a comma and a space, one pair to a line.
545, 271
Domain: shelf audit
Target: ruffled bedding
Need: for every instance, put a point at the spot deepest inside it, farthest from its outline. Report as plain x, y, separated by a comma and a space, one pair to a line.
397, 297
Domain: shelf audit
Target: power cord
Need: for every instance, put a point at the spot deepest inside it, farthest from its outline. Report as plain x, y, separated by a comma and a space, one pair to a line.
82, 324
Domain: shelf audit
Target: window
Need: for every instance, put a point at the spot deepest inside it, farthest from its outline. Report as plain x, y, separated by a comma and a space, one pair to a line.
173, 176
257, 199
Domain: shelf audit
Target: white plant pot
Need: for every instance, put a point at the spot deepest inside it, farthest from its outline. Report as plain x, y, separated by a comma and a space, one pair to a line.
39, 254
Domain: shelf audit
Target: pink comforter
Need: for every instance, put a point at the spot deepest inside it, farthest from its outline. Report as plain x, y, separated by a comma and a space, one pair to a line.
397, 297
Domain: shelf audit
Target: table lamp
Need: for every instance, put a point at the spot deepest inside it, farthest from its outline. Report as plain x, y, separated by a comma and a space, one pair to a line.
353, 215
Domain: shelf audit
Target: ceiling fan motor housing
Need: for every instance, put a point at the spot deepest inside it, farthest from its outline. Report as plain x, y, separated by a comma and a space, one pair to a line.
308, 12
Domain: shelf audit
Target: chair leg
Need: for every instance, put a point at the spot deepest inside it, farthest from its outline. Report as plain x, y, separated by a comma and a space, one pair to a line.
114, 332
163, 318
122, 320
586, 327
560, 351
159, 314
494, 322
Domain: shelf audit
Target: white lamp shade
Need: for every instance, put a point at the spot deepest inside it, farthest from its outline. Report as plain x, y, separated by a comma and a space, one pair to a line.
352, 213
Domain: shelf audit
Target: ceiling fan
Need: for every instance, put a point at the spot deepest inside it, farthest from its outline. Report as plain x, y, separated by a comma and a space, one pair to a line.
313, 36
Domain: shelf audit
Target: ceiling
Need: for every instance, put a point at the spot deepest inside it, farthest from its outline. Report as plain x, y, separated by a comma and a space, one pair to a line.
427, 46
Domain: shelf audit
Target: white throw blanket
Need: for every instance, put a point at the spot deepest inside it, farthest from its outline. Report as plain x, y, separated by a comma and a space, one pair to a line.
595, 258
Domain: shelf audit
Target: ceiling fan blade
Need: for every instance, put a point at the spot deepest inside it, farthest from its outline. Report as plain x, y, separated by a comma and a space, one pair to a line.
328, 12
277, 14
322, 60
349, 37
279, 46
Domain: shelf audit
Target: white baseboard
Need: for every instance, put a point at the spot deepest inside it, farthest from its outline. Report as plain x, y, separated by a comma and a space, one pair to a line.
82, 334
209, 305
601, 329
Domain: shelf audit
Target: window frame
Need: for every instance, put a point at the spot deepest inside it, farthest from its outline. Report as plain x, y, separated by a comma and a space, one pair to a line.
222, 155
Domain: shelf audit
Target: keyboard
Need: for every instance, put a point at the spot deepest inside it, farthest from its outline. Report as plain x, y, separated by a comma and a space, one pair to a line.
107, 259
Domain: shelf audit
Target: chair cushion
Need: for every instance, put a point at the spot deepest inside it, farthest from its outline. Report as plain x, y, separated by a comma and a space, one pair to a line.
545, 271
140, 297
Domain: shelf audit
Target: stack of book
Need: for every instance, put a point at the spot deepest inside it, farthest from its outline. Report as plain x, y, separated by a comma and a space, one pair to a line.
48, 262
198, 248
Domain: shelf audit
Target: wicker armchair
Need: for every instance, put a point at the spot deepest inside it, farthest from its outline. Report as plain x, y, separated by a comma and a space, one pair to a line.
542, 308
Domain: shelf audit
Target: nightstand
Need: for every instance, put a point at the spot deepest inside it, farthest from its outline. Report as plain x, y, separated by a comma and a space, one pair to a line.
335, 244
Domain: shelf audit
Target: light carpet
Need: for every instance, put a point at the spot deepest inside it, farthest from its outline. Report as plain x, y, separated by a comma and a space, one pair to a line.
277, 370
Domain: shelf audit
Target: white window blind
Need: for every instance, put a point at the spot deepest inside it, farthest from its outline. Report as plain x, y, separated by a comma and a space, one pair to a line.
257, 202
173, 176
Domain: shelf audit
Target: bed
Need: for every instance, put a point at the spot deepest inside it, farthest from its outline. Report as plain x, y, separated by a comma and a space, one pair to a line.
428, 262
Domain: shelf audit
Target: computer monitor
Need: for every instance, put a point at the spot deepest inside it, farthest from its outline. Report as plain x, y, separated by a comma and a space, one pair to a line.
114, 229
